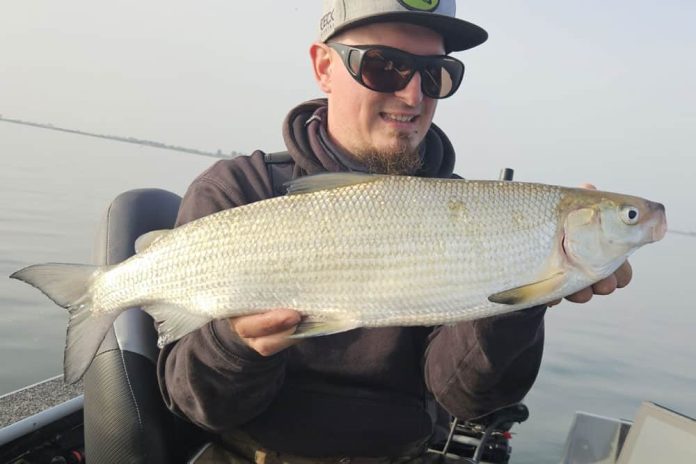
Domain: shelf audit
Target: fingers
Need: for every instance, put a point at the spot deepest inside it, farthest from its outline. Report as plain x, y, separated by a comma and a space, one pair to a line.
623, 274
588, 186
268, 332
619, 279
605, 286
272, 344
264, 324
583, 296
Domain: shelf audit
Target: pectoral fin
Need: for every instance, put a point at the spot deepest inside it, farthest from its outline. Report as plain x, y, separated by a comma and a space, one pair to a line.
529, 293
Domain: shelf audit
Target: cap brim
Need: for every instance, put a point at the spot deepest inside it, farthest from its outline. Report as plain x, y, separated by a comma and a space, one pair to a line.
458, 34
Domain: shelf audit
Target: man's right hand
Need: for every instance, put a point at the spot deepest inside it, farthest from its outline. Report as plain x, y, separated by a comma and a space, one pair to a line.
267, 333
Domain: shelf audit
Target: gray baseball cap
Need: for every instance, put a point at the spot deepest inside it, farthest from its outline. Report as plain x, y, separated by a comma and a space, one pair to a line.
438, 15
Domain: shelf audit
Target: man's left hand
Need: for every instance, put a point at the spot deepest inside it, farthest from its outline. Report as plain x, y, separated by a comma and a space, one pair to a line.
619, 279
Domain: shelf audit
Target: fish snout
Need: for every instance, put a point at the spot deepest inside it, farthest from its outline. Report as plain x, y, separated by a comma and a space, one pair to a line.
660, 228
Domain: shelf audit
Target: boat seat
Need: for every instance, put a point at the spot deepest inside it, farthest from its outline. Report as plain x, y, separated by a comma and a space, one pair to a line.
125, 417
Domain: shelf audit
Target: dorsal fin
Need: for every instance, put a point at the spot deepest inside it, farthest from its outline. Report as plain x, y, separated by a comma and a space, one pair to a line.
327, 181
147, 239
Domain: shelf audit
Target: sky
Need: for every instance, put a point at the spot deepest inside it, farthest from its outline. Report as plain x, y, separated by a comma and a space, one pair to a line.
563, 92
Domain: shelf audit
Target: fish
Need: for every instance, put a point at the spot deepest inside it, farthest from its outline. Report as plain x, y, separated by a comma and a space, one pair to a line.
350, 250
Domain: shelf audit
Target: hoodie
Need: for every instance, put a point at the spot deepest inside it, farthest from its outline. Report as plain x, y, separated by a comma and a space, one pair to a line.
366, 392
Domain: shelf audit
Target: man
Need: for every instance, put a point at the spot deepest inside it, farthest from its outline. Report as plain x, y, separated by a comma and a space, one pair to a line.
366, 392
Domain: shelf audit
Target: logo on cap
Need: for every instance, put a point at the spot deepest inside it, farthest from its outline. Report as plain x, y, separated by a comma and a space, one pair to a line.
420, 5
327, 21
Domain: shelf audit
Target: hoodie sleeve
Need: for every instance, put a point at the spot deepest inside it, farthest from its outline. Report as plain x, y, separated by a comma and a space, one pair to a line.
210, 376
473, 368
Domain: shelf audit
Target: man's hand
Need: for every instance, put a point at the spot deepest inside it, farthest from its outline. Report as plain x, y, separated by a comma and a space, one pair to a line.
619, 279
267, 333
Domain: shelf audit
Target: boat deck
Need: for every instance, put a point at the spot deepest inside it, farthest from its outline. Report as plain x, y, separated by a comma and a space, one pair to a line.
35, 398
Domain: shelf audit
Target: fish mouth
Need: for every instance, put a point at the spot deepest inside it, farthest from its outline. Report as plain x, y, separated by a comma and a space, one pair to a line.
660, 229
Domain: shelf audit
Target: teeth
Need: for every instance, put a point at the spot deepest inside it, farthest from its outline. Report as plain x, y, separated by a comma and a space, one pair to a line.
395, 117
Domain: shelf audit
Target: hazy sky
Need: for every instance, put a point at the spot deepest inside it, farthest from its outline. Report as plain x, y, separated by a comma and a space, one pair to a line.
564, 92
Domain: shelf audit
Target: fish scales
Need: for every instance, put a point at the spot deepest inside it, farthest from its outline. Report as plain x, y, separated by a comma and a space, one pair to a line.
381, 252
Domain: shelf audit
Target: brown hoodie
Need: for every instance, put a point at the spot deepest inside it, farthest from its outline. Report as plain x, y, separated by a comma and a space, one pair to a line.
366, 392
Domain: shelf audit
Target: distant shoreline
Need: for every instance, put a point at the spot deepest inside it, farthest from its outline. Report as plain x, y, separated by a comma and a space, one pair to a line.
117, 138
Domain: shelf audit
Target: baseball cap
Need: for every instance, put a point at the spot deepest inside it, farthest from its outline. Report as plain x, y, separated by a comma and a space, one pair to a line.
438, 15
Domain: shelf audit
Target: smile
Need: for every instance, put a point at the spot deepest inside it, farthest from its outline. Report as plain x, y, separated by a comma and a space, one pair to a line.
398, 117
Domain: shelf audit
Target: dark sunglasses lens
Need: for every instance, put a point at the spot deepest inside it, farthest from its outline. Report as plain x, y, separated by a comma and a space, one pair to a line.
441, 78
385, 71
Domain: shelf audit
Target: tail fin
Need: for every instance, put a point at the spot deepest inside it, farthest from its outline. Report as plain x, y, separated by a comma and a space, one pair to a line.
68, 285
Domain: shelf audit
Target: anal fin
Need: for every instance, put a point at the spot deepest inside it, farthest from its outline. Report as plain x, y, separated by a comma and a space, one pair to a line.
315, 327
173, 322
529, 293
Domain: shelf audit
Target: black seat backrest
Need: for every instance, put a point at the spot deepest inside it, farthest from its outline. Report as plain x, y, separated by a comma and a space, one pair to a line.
125, 417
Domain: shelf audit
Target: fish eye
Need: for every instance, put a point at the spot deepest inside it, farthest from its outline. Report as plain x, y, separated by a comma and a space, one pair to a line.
630, 215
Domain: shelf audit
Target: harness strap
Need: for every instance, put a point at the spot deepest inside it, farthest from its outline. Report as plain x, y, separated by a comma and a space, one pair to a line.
280, 165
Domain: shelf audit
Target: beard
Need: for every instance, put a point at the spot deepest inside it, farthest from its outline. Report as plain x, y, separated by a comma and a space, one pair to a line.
402, 160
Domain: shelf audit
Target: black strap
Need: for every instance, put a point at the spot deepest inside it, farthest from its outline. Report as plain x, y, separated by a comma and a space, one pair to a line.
279, 165
278, 157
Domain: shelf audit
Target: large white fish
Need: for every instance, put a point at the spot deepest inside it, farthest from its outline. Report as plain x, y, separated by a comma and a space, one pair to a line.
354, 250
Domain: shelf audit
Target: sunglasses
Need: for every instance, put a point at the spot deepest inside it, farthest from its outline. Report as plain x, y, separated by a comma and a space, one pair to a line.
386, 69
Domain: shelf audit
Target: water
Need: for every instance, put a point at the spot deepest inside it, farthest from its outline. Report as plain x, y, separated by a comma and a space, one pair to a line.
610, 355
54, 190
603, 357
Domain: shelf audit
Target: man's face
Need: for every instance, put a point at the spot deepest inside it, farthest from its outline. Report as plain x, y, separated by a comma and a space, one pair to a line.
384, 129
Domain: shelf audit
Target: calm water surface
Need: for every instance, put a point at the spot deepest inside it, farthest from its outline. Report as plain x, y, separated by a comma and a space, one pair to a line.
604, 357
54, 190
